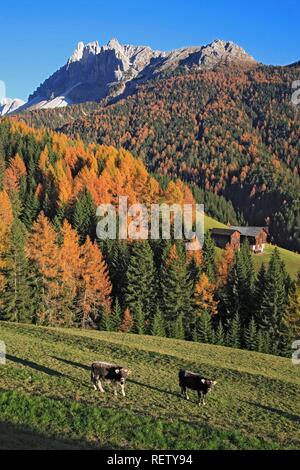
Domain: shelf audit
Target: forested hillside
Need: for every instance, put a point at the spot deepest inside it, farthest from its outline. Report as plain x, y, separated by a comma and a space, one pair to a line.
233, 132
55, 272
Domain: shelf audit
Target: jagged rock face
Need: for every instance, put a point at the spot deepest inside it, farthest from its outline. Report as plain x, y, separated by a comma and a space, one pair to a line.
94, 72
7, 105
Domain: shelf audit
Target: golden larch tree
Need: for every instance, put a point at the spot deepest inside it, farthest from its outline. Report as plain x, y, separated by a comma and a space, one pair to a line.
94, 286
43, 253
204, 296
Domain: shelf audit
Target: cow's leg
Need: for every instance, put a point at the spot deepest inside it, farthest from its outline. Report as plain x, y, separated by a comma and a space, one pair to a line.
94, 383
201, 398
123, 390
115, 389
184, 392
99, 384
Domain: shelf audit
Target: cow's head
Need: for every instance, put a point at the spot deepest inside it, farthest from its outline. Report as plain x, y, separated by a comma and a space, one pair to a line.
209, 384
123, 372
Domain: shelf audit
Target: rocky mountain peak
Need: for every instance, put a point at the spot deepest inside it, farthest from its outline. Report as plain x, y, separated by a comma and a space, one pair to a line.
83, 51
94, 72
114, 44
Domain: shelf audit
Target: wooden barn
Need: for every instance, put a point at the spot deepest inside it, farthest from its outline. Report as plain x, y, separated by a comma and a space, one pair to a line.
256, 236
224, 236
235, 236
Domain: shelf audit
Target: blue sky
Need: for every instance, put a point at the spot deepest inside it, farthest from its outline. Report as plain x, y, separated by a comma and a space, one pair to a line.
38, 37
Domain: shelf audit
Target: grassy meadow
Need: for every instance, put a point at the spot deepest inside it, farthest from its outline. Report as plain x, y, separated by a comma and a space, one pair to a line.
46, 399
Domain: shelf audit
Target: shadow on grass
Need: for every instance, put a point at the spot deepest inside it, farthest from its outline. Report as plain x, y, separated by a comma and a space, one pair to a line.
44, 369
156, 389
17, 437
285, 414
34, 366
72, 363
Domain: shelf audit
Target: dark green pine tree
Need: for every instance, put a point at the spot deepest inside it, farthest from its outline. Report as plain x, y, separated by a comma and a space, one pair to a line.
194, 271
250, 336
178, 328
204, 328
234, 332
116, 316
31, 209
176, 289
17, 298
220, 335
263, 342
84, 216
118, 261
209, 257
274, 301
158, 324
139, 320
213, 336
239, 289
259, 289
105, 322
140, 281
50, 197
248, 265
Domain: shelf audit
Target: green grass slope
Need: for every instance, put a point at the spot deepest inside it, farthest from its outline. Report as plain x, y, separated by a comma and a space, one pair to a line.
291, 259
46, 400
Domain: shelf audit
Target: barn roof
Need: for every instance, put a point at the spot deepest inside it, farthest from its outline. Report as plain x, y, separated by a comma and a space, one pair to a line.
249, 231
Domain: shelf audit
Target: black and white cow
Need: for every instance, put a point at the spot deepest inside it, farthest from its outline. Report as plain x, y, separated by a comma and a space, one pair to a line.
192, 381
110, 373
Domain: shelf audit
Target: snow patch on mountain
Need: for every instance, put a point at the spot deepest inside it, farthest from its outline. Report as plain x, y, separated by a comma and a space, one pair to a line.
8, 105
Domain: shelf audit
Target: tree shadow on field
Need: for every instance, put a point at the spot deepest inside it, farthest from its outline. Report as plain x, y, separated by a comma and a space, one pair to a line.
40, 368
285, 414
19, 437
35, 366
72, 363
156, 389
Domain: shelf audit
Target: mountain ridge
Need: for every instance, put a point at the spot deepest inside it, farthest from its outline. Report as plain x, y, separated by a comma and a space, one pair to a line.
95, 72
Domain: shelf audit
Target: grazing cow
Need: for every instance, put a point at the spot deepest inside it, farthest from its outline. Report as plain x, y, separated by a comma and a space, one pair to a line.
109, 373
195, 382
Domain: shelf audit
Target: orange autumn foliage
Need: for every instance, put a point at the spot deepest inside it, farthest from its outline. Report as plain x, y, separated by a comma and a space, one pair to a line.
204, 296
14, 173
127, 323
43, 253
6, 219
107, 173
69, 257
94, 284
226, 263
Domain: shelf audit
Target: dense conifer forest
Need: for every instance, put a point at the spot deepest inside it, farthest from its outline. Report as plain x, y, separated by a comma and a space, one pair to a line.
54, 271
